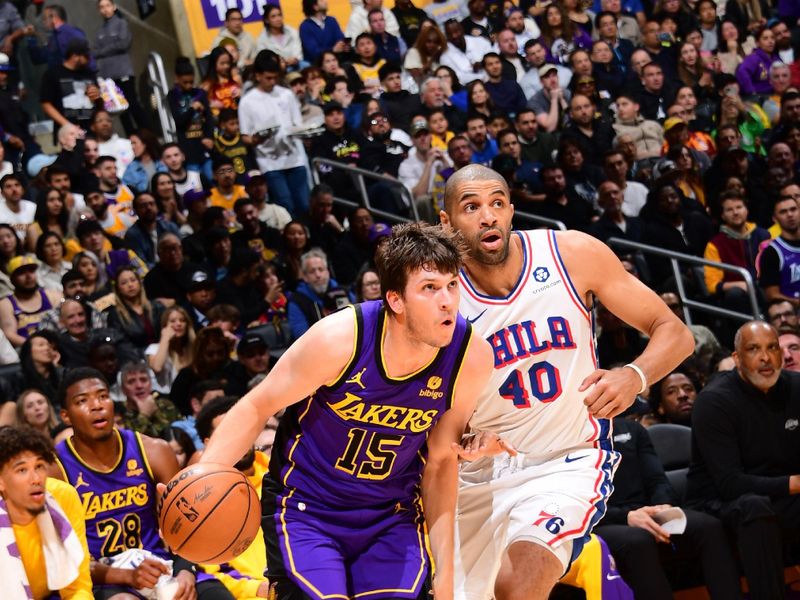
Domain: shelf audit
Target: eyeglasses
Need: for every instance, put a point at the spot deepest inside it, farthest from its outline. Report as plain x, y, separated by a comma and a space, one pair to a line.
379, 121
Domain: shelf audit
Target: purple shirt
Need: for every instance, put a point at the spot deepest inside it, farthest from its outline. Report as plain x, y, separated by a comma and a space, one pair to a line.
753, 73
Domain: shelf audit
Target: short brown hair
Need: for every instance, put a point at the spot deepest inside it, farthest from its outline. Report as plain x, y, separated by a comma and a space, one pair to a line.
415, 246
16, 440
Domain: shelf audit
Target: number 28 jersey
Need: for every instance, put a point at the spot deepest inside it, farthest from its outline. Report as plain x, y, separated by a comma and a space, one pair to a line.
542, 337
360, 442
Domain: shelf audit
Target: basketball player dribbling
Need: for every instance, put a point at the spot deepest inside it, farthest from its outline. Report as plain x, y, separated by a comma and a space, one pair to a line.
378, 397
522, 519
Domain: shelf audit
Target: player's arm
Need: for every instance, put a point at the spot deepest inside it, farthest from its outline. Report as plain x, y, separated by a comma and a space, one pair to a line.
596, 270
440, 477
317, 358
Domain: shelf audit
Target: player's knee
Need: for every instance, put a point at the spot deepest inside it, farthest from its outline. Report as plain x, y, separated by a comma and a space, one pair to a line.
528, 572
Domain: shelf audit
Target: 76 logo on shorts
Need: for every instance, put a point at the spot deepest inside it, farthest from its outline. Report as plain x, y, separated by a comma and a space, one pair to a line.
550, 522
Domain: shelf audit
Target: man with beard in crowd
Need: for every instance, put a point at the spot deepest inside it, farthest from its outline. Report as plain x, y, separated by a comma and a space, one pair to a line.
21, 311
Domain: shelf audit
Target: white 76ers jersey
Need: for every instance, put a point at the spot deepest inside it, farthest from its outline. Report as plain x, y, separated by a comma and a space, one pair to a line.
542, 336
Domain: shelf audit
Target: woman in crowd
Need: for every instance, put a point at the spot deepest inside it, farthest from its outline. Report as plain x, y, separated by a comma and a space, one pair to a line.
422, 58
689, 181
282, 39
367, 285
608, 77
40, 360
748, 117
132, 313
295, 243
452, 88
181, 444
35, 410
700, 115
692, 70
478, 99
561, 36
579, 15
222, 82
731, 51
50, 251
51, 215
315, 84
747, 15
169, 202
94, 275
209, 358
173, 351
145, 163
753, 73
329, 64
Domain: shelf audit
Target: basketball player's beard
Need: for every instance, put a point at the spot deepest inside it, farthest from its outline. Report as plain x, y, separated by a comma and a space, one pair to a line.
494, 258
246, 462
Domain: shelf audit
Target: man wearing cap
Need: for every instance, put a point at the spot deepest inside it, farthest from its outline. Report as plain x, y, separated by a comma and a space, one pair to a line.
238, 287
418, 170
69, 92
252, 360
21, 312
341, 144
551, 102
273, 215
536, 57
506, 94
200, 297
311, 112
14, 210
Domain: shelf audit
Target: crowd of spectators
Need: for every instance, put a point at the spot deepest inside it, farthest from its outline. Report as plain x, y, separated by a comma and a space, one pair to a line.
182, 270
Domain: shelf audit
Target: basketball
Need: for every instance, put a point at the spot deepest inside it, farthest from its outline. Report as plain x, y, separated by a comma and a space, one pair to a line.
209, 513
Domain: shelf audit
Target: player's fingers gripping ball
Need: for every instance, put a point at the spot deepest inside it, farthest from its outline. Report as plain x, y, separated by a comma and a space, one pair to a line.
209, 513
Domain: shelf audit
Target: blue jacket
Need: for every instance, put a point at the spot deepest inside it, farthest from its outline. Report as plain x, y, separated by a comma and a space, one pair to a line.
306, 307
54, 53
316, 39
138, 240
136, 177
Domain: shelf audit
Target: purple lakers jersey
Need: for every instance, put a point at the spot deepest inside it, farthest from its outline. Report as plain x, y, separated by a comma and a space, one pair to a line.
120, 503
360, 442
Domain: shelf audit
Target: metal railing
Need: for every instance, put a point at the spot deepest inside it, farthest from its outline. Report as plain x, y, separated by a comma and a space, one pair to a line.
359, 175
539, 220
688, 303
160, 86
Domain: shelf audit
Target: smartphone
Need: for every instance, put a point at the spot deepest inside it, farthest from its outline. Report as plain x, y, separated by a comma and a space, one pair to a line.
730, 91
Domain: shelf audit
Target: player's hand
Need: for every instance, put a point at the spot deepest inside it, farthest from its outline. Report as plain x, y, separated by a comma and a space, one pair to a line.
442, 586
147, 573
482, 443
186, 586
612, 392
643, 519
93, 92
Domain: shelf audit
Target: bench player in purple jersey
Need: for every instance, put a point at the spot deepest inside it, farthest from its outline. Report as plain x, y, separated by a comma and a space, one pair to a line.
378, 396
115, 472
522, 519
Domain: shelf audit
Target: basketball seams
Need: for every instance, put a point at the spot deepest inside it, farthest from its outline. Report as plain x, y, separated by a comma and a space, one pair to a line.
244, 524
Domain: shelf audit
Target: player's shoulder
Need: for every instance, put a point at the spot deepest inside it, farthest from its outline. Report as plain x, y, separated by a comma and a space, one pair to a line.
64, 494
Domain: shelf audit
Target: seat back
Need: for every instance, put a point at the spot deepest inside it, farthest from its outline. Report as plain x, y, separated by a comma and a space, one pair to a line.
673, 444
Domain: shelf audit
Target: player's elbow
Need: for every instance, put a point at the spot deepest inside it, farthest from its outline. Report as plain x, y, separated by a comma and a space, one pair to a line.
684, 341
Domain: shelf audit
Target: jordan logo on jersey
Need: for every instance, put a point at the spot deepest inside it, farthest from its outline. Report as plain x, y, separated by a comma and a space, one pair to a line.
80, 482
519, 340
357, 379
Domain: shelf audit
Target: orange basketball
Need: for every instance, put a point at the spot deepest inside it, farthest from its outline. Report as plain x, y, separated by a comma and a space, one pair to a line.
209, 513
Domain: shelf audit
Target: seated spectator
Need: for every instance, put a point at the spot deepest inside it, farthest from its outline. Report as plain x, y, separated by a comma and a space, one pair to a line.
432, 96
672, 398
113, 221
279, 157
583, 177
52, 216
483, 147
381, 153
14, 210
640, 546
170, 204
52, 266
165, 282
552, 101
425, 54
145, 163
238, 287
527, 181
96, 283
747, 116
200, 296
173, 351
74, 338
228, 143
69, 92
254, 234
146, 411
132, 313
74, 286
110, 143
781, 314
753, 73
400, 104
363, 71
295, 244
35, 410
789, 340
647, 134
21, 311
613, 222
616, 168
194, 122
144, 234
775, 272
252, 360
31, 514
278, 37
536, 146
737, 244
354, 248
323, 227
561, 203
317, 295
184, 179
506, 94
181, 444
271, 214
217, 248
226, 192
102, 356
320, 32
203, 392
118, 196
40, 360
464, 53
745, 457
418, 170
593, 134
222, 83
210, 356
454, 92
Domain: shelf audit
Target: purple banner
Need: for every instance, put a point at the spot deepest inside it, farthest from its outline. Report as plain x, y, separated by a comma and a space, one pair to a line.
252, 10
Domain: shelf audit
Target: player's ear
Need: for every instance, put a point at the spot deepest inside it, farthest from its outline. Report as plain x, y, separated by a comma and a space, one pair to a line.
445, 220
395, 302
65, 417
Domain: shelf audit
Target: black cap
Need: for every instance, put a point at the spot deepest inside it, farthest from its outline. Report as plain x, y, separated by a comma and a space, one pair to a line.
87, 226
331, 106
251, 340
200, 280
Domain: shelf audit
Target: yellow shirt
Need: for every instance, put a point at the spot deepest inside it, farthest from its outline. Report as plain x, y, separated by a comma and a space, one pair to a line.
217, 198
29, 541
251, 563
